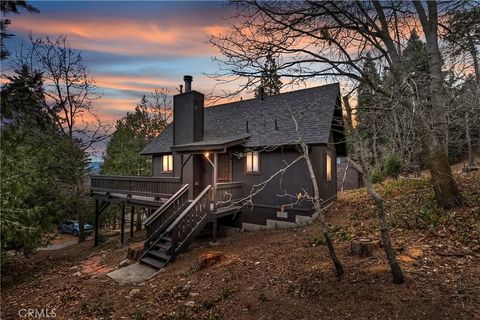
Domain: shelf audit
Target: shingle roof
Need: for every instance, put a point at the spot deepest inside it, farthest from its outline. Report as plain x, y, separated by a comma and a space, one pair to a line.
213, 143
313, 109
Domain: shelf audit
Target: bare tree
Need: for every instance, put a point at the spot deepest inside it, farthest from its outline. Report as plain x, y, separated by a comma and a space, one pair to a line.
68, 96
332, 39
358, 147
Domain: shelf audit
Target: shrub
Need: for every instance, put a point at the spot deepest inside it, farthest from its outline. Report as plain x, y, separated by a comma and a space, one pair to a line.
393, 166
376, 176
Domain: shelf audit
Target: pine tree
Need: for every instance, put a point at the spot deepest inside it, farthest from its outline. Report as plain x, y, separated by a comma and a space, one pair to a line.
270, 80
132, 134
367, 114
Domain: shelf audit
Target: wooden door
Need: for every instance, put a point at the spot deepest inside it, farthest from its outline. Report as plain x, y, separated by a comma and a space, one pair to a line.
224, 167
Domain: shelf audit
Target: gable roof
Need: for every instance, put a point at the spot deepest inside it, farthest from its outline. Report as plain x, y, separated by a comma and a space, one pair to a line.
313, 109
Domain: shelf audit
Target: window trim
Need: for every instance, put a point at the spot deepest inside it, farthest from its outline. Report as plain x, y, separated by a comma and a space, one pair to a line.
245, 163
327, 162
169, 163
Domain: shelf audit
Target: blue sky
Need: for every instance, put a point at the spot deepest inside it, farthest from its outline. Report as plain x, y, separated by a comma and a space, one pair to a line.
132, 47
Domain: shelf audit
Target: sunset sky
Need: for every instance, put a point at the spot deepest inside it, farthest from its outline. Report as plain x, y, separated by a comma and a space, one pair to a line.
131, 48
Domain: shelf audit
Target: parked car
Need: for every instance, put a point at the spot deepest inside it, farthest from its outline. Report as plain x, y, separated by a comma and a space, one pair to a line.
72, 226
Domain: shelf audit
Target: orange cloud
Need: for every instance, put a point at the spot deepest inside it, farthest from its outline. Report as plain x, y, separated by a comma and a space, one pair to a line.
123, 36
131, 82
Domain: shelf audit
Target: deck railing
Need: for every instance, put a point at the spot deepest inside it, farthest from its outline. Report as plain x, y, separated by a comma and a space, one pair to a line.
228, 192
190, 222
134, 185
158, 222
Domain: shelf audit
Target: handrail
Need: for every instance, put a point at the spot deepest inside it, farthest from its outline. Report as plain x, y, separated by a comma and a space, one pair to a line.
165, 215
185, 212
147, 178
221, 184
228, 192
167, 203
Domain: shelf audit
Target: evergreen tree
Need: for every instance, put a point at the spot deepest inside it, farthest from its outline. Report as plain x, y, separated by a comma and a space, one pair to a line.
6, 7
367, 113
32, 190
270, 80
132, 134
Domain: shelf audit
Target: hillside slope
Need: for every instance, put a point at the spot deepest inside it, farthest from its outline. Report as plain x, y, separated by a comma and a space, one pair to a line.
285, 274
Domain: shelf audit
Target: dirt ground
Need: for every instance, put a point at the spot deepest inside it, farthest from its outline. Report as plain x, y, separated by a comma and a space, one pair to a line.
280, 274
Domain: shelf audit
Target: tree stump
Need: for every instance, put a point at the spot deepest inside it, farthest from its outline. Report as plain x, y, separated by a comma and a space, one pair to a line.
207, 259
361, 247
135, 251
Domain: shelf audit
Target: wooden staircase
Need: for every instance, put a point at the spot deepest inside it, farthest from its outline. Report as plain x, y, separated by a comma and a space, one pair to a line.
174, 225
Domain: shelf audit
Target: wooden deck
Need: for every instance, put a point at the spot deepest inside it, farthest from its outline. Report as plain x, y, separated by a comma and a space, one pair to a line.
171, 210
223, 211
156, 187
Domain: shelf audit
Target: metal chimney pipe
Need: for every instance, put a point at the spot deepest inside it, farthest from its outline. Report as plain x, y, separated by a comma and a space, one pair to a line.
188, 83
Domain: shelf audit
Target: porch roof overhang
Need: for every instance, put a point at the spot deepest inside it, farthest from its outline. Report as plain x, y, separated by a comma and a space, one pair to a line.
212, 145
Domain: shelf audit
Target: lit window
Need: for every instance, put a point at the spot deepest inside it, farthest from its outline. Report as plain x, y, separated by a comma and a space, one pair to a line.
252, 162
329, 167
167, 163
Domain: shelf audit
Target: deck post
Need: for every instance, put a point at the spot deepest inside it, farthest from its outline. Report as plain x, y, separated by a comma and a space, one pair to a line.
214, 229
215, 168
122, 224
96, 223
132, 213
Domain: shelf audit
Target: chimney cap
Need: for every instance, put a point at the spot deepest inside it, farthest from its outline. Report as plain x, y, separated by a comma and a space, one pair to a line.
187, 78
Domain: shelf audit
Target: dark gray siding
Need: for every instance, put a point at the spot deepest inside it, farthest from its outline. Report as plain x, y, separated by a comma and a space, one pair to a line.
293, 181
349, 176
327, 189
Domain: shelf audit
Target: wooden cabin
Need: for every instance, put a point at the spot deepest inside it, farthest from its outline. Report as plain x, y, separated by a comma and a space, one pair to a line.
208, 160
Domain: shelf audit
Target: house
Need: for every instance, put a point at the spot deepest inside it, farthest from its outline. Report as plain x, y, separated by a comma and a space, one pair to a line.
349, 174
209, 159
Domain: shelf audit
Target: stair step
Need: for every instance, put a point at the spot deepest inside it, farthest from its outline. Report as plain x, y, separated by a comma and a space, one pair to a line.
153, 262
166, 239
164, 245
160, 254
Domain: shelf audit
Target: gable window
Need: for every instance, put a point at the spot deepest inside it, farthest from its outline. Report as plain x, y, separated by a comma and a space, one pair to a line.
167, 163
328, 172
252, 162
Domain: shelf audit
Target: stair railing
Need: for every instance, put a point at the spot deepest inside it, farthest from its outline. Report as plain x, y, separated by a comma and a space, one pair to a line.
190, 222
156, 224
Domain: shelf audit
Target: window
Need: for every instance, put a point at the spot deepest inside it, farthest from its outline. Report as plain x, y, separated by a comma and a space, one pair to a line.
252, 162
167, 163
328, 172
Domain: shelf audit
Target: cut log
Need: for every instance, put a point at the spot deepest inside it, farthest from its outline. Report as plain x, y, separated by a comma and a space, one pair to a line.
135, 251
361, 247
207, 259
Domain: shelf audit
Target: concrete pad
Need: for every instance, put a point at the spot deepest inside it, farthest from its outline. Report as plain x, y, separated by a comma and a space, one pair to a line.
133, 273
58, 246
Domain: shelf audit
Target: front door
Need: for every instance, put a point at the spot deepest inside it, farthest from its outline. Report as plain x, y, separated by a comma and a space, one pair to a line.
224, 167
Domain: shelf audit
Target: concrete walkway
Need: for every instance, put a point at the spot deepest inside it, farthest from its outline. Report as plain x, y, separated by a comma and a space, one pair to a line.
133, 273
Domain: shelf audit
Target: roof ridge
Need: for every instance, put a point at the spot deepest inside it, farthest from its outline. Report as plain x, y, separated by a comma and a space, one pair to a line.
279, 94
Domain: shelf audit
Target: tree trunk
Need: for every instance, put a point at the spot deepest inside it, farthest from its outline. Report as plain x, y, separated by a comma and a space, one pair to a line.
445, 188
471, 161
374, 145
384, 229
323, 224
79, 213
139, 220
446, 191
